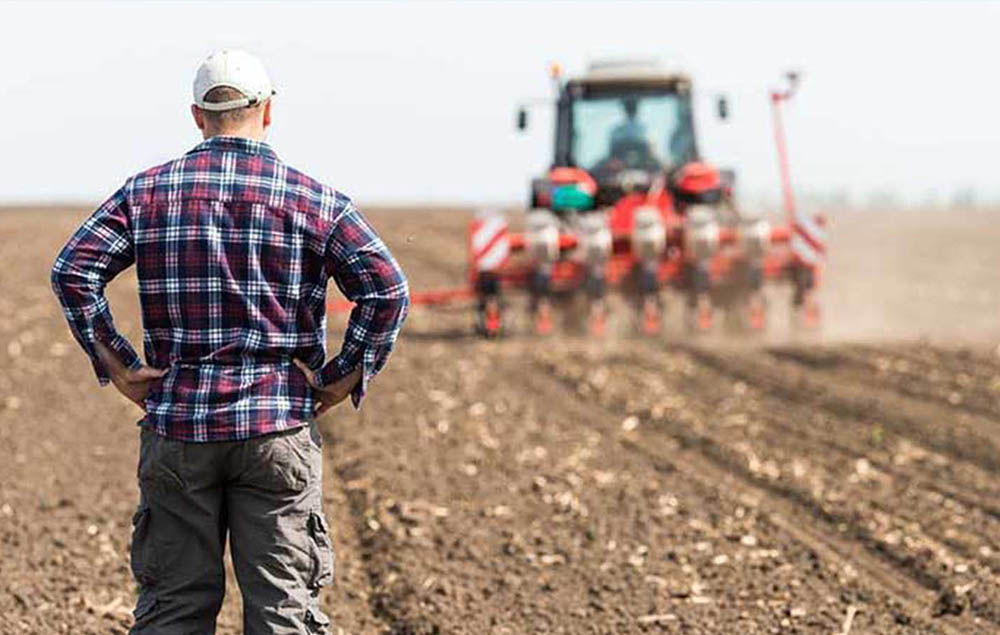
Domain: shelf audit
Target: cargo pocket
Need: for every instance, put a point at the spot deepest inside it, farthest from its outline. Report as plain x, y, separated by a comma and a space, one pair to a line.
144, 607
322, 551
142, 557
141, 551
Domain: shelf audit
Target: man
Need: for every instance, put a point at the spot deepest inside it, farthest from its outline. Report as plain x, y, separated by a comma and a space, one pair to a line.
233, 250
631, 131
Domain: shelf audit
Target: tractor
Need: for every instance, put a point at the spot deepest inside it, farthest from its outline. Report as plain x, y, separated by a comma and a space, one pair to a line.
629, 205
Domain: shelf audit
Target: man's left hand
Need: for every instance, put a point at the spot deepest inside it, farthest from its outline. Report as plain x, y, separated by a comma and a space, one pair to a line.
331, 395
133, 383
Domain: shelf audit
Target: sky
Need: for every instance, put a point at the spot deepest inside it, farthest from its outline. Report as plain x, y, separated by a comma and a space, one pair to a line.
415, 102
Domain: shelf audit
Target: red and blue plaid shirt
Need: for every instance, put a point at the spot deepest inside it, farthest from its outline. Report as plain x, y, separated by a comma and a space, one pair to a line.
233, 251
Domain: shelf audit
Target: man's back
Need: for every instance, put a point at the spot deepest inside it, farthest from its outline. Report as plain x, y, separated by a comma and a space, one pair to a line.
233, 251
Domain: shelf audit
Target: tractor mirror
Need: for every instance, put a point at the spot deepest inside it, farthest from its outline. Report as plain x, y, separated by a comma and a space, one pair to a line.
722, 108
522, 119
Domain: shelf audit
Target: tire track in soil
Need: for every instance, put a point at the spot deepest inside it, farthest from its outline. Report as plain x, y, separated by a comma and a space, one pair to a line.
972, 376
390, 597
929, 520
712, 462
374, 578
424, 246
809, 437
805, 439
834, 550
965, 438
957, 359
791, 521
929, 381
970, 475
349, 602
924, 518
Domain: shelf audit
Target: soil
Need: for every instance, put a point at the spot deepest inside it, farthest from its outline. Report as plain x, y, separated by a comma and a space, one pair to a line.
848, 483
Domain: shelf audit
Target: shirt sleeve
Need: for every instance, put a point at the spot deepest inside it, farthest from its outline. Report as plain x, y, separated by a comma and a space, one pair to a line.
94, 255
368, 275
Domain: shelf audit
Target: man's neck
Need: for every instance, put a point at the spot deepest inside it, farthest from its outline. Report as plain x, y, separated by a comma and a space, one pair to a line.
253, 135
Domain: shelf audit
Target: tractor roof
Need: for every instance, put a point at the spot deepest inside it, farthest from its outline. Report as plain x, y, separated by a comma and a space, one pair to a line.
645, 73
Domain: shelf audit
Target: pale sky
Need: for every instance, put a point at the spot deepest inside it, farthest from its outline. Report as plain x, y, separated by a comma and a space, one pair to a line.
415, 102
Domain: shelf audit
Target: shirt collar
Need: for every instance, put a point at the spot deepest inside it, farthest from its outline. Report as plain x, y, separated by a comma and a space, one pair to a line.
225, 143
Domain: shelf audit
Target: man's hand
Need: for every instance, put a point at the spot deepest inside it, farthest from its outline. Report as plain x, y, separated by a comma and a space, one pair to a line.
134, 384
330, 396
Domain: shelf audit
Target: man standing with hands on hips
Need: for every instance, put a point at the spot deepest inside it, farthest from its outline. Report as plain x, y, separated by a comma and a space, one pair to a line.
233, 251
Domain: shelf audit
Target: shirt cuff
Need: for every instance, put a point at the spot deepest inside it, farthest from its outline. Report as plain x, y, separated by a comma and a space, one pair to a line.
339, 367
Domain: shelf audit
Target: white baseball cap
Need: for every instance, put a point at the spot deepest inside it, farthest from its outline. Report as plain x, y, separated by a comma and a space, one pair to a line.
234, 69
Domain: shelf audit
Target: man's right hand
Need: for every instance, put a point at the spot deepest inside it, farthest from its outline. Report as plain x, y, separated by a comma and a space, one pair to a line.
331, 395
133, 383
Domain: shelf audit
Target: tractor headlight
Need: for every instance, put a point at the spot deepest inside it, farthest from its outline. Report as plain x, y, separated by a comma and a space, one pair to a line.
542, 235
755, 236
648, 234
594, 237
701, 232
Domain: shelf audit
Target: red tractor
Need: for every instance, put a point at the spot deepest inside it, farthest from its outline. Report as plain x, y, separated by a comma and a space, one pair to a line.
629, 204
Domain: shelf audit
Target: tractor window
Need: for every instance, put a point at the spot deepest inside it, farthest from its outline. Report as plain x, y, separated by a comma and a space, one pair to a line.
642, 131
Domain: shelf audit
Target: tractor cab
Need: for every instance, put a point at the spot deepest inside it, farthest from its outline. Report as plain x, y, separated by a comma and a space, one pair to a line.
623, 123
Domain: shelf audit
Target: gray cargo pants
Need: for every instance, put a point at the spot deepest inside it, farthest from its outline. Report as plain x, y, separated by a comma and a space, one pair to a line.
266, 493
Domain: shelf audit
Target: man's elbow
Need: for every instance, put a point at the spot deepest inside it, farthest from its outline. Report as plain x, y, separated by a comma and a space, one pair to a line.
400, 298
404, 288
397, 300
68, 281
58, 277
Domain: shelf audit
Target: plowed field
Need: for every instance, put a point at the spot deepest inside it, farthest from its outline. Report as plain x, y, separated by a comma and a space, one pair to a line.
845, 484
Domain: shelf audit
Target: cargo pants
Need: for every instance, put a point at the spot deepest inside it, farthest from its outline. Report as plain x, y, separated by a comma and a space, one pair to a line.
265, 493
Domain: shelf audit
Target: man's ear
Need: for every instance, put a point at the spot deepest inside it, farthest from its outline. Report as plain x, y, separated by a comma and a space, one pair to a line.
199, 117
267, 114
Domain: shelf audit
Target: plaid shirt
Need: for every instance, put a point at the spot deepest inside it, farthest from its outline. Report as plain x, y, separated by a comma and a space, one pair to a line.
233, 251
